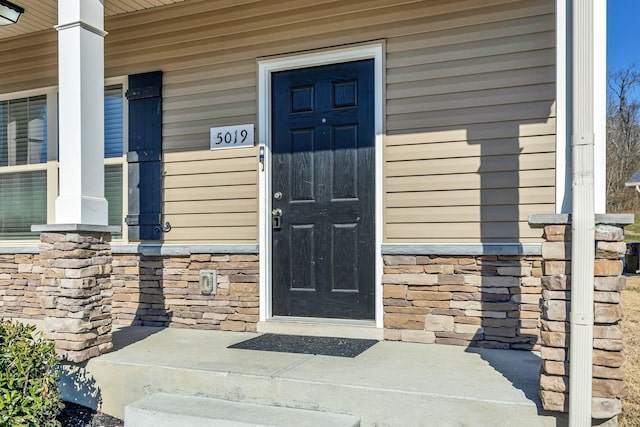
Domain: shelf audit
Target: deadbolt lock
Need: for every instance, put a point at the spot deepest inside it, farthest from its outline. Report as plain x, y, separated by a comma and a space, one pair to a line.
277, 218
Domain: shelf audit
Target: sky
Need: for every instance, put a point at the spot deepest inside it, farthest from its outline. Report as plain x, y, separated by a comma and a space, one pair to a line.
623, 34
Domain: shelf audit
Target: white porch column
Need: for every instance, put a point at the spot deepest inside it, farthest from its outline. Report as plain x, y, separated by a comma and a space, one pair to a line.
81, 113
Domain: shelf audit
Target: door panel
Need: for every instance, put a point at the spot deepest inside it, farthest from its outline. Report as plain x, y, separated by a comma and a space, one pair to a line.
324, 166
302, 255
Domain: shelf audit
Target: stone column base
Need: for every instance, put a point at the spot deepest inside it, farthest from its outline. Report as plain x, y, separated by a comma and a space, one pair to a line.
77, 295
607, 373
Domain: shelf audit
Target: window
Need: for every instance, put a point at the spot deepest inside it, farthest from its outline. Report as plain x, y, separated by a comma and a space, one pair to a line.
24, 131
28, 161
23, 170
113, 152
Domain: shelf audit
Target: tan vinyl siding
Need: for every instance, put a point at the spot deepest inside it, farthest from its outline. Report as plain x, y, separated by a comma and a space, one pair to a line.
470, 115
470, 146
469, 165
211, 195
462, 181
471, 199
461, 213
29, 62
463, 232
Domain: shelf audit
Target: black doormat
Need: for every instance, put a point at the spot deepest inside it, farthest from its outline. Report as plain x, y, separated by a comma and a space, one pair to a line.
326, 346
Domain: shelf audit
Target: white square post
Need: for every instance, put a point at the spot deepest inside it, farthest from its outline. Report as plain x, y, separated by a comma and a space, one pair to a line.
81, 113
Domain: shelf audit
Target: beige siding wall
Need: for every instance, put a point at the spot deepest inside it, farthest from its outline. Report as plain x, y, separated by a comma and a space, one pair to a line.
211, 195
470, 125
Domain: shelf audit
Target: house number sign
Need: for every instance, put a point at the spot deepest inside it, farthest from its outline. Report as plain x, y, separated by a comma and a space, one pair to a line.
231, 137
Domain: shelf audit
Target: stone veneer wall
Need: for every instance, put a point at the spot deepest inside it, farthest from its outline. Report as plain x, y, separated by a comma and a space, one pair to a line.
486, 301
20, 287
165, 291
608, 378
150, 290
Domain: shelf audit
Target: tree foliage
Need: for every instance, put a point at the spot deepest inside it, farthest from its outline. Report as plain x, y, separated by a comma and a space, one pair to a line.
623, 139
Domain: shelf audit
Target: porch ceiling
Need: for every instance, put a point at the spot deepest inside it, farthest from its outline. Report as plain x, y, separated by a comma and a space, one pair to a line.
42, 15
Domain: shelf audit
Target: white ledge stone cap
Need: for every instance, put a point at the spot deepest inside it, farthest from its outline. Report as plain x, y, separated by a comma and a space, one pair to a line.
540, 220
150, 249
26, 249
87, 228
182, 250
464, 249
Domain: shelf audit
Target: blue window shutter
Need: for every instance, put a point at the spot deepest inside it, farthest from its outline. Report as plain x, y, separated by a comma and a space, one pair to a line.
145, 156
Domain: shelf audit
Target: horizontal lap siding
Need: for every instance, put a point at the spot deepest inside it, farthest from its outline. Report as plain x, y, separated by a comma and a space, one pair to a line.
211, 195
470, 89
29, 62
470, 144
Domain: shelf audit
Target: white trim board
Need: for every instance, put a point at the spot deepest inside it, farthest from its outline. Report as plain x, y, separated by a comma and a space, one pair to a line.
600, 105
563, 108
303, 60
164, 249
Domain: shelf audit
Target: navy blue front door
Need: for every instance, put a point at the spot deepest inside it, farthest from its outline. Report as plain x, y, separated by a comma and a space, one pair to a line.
323, 183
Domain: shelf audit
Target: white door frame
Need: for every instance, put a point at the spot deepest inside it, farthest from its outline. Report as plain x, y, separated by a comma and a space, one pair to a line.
304, 60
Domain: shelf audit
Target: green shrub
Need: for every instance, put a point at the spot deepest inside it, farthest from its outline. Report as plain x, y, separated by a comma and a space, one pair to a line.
29, 394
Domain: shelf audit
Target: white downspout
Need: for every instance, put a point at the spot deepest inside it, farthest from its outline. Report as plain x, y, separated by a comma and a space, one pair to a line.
583, 215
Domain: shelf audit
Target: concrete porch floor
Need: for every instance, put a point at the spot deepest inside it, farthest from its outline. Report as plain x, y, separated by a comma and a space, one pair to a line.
390, 384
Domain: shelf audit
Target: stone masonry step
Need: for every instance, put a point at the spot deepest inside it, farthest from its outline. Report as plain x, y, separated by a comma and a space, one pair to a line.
169, 410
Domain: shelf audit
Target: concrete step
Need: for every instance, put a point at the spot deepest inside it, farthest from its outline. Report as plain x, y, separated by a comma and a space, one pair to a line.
390, 384
169, 410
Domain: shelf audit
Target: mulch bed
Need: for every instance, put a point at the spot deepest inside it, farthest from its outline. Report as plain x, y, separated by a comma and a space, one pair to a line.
74, 415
